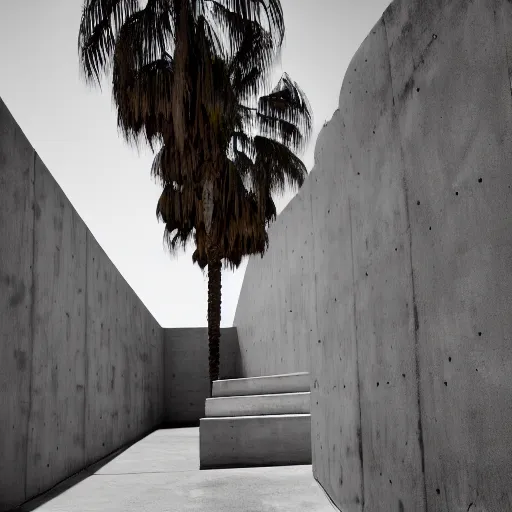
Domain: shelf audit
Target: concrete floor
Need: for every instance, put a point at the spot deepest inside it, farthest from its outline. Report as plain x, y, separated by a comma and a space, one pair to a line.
161, 473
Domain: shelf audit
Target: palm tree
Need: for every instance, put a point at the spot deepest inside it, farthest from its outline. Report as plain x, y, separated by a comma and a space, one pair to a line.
256, 158
181, 69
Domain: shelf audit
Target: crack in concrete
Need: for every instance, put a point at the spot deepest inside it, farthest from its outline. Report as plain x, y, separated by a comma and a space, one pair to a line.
416, 321
360, 429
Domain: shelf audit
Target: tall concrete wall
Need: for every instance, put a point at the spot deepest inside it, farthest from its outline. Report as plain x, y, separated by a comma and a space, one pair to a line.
276, 310
411, 202
187, 380
81, 368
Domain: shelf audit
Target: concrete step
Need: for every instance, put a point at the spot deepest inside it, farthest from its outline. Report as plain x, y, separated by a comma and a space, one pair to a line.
254, 405
244, 441
287, 383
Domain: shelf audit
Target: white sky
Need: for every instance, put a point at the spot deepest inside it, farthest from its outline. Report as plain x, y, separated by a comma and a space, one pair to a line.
73, 129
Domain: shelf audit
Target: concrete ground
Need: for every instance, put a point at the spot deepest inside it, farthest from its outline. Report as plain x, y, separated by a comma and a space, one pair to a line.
161, 473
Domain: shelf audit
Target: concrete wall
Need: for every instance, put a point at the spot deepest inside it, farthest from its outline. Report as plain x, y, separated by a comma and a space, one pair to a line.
81, 368
411, 255
187, 381
276, 311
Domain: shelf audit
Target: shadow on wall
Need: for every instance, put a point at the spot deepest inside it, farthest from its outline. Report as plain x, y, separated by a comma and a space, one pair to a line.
392, 268
82, 367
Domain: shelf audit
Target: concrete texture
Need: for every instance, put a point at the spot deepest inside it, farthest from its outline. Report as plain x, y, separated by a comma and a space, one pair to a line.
83, 364
81, 368
242, 441
286, 383
187, 381
16, 259
276, 288
254, 405
161, 473
410, 202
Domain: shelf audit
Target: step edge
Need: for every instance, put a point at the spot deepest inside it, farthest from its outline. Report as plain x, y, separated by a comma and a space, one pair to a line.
297, 374
287, 415
294, 393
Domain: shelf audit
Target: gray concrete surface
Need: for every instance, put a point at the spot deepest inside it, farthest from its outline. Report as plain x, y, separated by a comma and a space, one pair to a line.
277, 291
82, 361
265, 384
409, 327
187, 381
161, 473
254, 405
243, 441
81, 368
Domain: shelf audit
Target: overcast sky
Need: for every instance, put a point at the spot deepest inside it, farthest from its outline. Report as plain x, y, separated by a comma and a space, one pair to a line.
73, 129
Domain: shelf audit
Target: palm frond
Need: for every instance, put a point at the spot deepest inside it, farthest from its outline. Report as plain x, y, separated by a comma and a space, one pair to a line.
144, 37
283, 131
143, 99
100, 22
288, 103
252, 49
267, 13
276, 166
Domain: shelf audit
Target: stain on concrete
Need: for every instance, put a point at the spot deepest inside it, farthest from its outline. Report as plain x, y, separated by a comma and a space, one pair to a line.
19, 293
37, 210
21, 359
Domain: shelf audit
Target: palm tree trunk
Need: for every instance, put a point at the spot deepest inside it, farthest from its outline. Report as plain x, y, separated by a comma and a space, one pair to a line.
214, 312
214, 285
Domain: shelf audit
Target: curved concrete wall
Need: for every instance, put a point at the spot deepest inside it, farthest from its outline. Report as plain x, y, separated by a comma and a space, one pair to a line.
410, 202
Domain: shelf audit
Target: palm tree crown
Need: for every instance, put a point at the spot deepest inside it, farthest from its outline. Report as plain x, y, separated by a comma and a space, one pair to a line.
185, 76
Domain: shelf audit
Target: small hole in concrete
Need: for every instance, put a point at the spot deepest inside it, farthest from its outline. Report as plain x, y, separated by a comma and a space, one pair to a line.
450, 359
396, 248
374, 132
403, 375
456, 193
445, 383
390, 482
479, 334
479, 180
418, 203
358, 173
319, 341
418, 89
366, 274
438, 491
377, 384
387, 382
476, 369
430, 228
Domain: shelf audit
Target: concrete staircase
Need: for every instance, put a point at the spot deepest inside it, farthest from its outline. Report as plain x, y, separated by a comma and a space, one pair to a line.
257, 421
